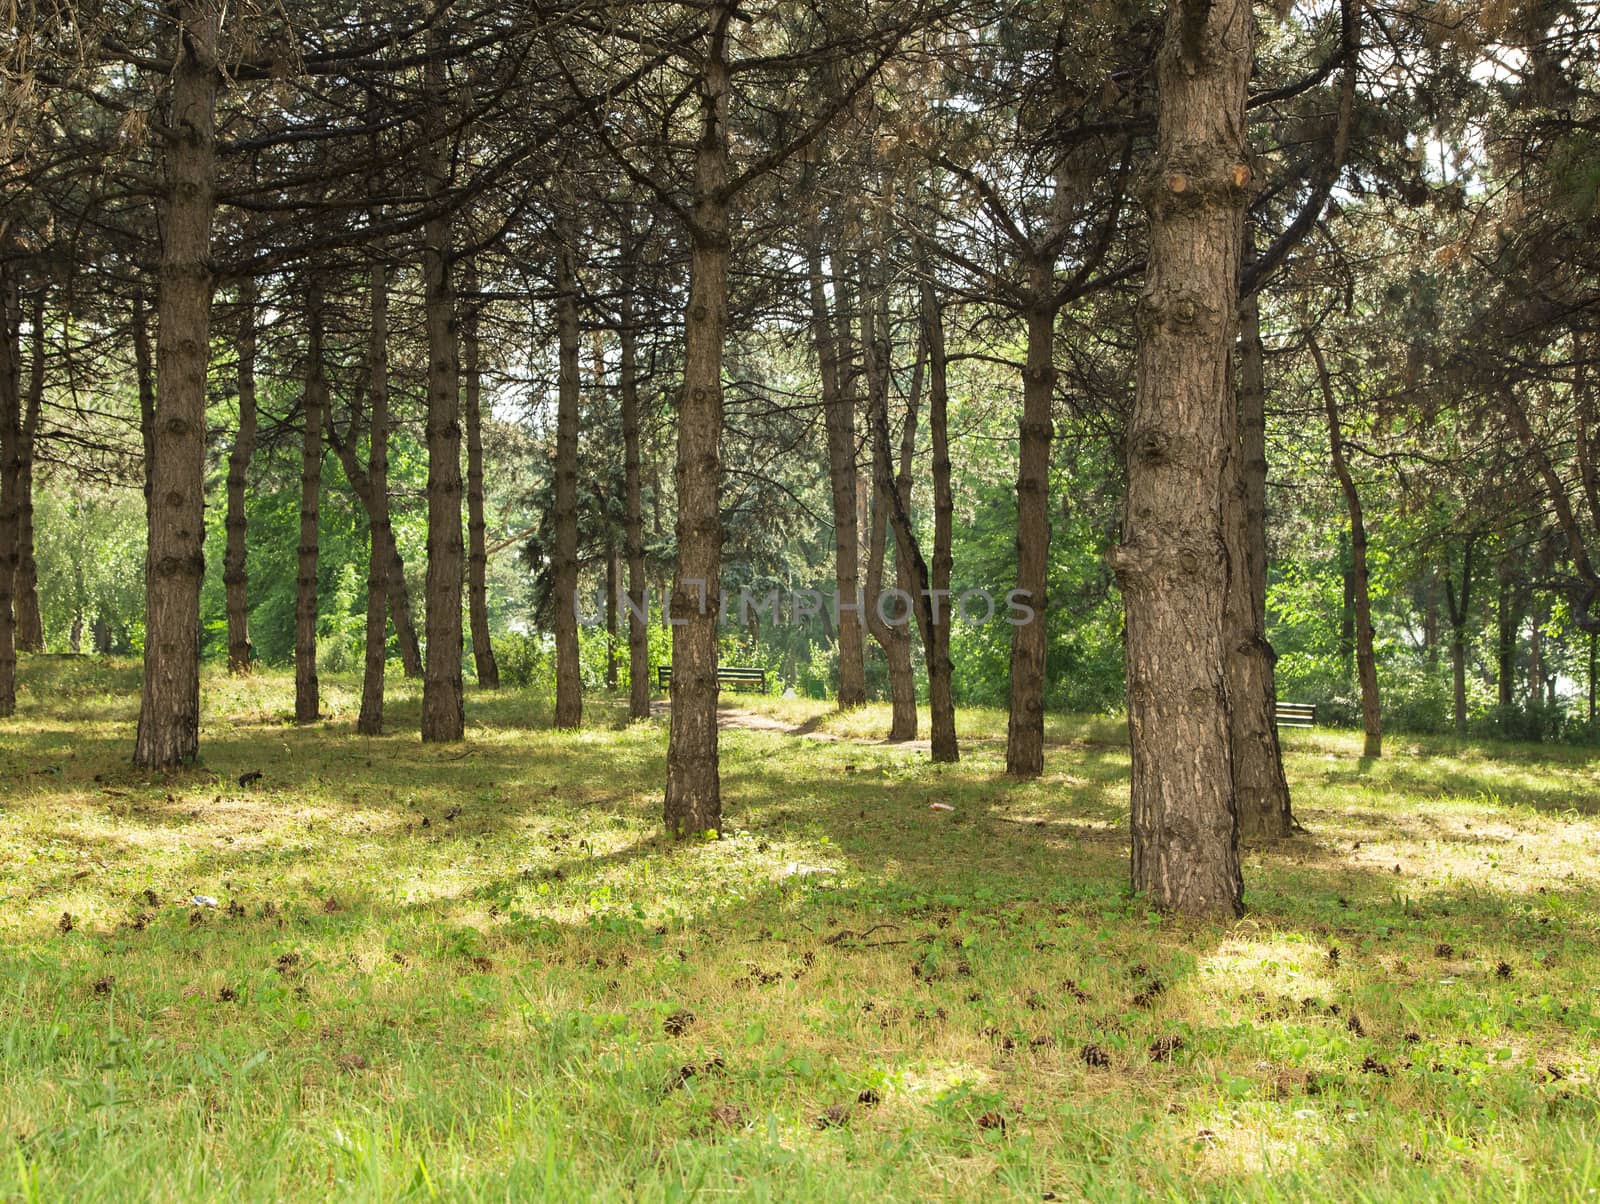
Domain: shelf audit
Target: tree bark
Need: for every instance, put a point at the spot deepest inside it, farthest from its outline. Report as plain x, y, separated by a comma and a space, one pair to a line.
30, 622
633, 513
169, 708
10, 441
1507, 620
694, 789
477, 550
1029, 640
307, 691
443, 705
235, 576
941, 697
893, 637
838, 410
613, 582
1260, 788
145, 383
381, 555
1172, 564
1361, 591
569, 680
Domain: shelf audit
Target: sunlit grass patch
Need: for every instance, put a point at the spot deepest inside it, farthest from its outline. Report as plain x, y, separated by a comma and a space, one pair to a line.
483, 972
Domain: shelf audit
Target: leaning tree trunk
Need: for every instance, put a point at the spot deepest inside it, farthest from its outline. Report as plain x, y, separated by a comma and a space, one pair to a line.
380, 536
894, 637
633, 518
10, 441
941, 697
169, 706
1366, 659
375, 501
838, 411
569, 680
477, 550
443, 706
307, 697
235, 578
1172, 564
694, 788
1029, 639
1260, 787
30, 622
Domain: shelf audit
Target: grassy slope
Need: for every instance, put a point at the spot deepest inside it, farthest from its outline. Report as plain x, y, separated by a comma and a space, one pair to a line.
451, 971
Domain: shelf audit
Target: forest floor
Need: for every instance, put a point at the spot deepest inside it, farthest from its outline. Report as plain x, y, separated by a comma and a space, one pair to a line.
478, 972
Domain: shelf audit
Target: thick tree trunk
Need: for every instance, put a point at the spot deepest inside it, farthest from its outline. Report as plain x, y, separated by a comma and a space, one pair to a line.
941, 699
307, 692
443, 706
30, 622
10, 447
169, 708
633, 518
1029, 639
1361, 592
1260, 787
838, 410
235, 578
694, 788
381, 554
569, 679
477, 549
1172, 564
888, 616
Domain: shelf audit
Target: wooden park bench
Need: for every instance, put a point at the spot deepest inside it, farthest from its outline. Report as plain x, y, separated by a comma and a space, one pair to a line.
728, 677
1297, 714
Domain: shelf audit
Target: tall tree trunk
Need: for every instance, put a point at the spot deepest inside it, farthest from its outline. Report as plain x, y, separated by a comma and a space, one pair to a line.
633, 513
569, 679
1172, 564
235, 577
941, 698
169, 706
893, 636
613, 581
838, 411
307, 693
694, 787
10, 441
1458, 607
1260, 788
30, 622
381, 554
477, 549
1029, 639
443, 706
1361, 591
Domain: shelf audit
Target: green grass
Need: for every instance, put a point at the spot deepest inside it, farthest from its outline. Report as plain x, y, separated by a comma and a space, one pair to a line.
454, 972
